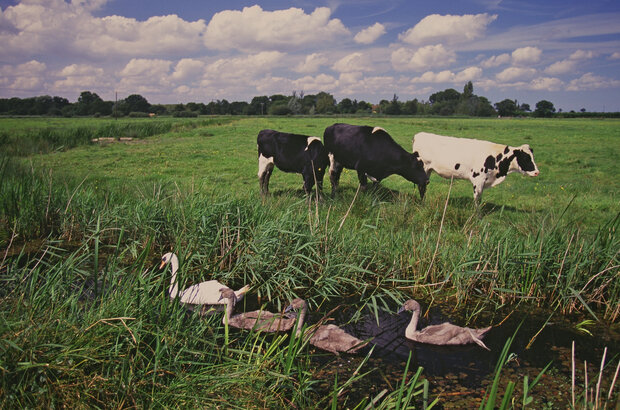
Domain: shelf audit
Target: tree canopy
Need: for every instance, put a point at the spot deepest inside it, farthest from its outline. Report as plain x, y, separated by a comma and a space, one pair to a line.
447, 102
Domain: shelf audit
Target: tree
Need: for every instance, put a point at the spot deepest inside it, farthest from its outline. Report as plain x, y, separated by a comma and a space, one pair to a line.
484, 108
88, 103
325, 103
364, 107
294, 103
393, 108
506, 108
468, 90
449, 94
544, 108
345, 106
308, 102
280, 107
445, 102
136, 103
410, 107
259, 105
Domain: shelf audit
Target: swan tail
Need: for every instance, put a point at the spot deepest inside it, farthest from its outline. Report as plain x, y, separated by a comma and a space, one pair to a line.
239, 293
477, 340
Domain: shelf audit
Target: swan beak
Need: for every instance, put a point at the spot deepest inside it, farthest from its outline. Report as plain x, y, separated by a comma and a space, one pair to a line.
401, 310
162, 264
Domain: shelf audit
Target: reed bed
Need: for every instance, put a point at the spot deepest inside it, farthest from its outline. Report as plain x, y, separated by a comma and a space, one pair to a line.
30, 141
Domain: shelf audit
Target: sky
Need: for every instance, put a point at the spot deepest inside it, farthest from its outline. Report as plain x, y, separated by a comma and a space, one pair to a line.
566, 52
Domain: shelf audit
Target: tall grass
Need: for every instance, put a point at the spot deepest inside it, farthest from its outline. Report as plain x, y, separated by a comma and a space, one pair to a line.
85, 318
40, 141
283, 251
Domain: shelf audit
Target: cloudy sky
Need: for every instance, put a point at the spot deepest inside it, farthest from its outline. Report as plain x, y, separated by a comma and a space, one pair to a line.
566, 51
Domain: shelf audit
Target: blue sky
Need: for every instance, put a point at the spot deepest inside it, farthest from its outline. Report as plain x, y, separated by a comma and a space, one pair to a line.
567, 52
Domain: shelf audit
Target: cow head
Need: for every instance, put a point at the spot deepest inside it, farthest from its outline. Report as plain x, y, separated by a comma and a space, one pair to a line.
525, 160
415, 172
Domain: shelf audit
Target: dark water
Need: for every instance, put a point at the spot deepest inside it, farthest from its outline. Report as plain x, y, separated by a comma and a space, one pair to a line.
460, 375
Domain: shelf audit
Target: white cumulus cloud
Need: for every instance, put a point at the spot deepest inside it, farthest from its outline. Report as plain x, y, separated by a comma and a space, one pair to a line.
80, 70
353, 62
244, 67
447, 76
312, 63
526, 55
590, 81
314, 84
188, 68
55, 26
496, 61
253, 29
546, 84
582, 55
561, 67
370, 35
515, 73
426, 57
23, 77
437, 28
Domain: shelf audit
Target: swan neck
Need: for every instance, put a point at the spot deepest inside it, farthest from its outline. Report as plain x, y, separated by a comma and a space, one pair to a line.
230, 305
302, 319
173, 290
413, 324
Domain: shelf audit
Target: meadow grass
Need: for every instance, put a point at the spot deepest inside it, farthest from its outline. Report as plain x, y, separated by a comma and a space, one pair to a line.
85, 310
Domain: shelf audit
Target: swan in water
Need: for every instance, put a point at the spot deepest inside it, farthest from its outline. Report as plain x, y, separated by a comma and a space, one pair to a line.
327, 337
443, 334
203, 293
258, 320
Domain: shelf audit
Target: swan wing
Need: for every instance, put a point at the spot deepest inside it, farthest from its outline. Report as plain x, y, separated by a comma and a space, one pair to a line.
203, 293
334, 339
449, 334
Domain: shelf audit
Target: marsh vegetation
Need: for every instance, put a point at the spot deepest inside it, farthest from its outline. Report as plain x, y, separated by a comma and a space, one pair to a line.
87, 321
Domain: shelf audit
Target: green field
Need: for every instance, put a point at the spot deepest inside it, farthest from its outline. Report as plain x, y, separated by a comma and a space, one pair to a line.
83, 225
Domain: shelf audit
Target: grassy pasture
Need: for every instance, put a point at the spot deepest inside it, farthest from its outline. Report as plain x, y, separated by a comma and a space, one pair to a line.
82, 229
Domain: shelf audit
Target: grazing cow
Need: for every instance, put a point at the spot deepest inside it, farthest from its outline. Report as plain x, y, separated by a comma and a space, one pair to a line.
372, 153
291, 153
484, 163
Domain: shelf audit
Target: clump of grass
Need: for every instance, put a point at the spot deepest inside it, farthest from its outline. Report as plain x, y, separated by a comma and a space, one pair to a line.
44, 140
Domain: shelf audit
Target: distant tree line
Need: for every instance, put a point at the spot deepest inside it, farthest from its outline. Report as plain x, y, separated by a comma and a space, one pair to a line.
445, 103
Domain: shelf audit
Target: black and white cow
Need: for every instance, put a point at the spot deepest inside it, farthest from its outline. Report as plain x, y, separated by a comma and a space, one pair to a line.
484, 163
301, 154
372, 153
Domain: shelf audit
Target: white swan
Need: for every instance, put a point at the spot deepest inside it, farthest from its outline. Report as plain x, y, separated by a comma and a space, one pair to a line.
443, 334
203, 293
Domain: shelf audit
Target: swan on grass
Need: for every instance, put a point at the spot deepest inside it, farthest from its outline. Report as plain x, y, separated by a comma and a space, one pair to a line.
326, 337
203, 293
443, 334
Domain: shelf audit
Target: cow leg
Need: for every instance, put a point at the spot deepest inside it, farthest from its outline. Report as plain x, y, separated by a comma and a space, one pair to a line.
335, 169
308, 175
478, 188
361, 175
265, 168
